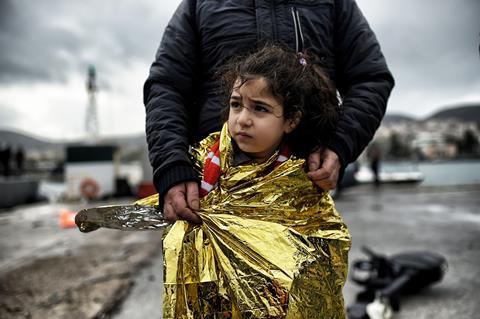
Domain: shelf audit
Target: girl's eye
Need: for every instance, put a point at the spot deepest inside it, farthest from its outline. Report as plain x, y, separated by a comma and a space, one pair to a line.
261, 109
234, 105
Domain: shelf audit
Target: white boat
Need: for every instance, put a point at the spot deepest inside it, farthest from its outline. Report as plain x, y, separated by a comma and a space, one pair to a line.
406, 175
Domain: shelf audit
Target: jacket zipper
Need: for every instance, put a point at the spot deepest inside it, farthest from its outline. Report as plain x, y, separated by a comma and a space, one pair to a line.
299, 42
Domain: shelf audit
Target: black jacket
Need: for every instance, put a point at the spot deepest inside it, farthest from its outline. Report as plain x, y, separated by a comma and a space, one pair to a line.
182, 98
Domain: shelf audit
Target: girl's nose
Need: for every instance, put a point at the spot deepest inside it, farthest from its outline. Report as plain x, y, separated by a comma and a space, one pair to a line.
244, 117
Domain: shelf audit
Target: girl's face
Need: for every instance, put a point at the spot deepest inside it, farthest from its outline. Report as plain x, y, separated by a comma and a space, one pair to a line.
256, 120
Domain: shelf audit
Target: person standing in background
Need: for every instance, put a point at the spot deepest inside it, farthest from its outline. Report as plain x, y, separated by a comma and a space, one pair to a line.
182, 96
5, 156
374, 155
20, 159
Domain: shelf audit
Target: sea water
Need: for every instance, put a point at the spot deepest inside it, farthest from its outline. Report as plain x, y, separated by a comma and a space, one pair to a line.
465, 172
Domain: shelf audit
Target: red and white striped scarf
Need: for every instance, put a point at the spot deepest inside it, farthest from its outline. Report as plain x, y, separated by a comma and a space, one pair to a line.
212, 171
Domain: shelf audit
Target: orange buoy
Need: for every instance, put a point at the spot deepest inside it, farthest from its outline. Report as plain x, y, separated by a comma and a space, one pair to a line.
67, 218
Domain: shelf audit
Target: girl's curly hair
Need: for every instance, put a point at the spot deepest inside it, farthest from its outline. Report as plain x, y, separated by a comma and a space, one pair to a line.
301, 86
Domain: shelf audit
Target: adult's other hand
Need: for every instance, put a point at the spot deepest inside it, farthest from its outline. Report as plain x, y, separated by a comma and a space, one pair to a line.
181, 202
324, 168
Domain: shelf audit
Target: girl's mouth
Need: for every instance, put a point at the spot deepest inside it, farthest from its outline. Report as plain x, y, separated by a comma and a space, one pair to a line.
243, 135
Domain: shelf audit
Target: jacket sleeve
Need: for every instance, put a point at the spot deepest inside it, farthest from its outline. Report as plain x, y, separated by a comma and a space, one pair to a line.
168, 101
363, 80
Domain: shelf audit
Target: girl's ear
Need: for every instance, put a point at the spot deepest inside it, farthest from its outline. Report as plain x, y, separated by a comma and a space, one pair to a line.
293, 122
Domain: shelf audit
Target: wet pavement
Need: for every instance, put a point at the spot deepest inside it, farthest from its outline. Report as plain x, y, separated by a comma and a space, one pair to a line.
50, 272
116, 274
443, 220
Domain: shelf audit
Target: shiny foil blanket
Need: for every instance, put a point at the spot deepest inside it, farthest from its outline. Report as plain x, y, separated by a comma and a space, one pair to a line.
271, 245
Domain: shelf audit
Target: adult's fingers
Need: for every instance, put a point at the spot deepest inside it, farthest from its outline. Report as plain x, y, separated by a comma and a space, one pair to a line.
326, 183
326, 177
319, 174
192, 195
314, 160
181, 208
168, 213
176, 206
172, 201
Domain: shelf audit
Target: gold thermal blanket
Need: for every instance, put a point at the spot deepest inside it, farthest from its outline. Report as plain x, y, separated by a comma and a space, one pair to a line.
272, 245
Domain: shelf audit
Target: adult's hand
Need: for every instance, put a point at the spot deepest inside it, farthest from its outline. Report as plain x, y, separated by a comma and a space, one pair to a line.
181, 202
324, 168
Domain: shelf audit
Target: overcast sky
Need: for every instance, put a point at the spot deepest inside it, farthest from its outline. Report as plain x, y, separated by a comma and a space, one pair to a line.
431, 46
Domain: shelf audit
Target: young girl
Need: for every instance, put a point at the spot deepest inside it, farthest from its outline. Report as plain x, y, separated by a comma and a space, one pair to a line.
271, 244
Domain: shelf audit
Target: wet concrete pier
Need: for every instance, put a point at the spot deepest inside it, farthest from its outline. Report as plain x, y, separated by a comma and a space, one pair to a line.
49, 272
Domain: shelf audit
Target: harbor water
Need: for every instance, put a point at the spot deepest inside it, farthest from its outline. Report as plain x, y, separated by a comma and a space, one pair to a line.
444, 173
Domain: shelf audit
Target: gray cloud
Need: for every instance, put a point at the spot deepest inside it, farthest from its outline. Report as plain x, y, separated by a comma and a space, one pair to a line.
47, 40
430, 41
430, 45
28, 46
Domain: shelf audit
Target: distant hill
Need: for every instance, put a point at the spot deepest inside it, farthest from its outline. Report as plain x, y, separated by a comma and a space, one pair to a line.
392, 118
28, 142
467, 113
14, 139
